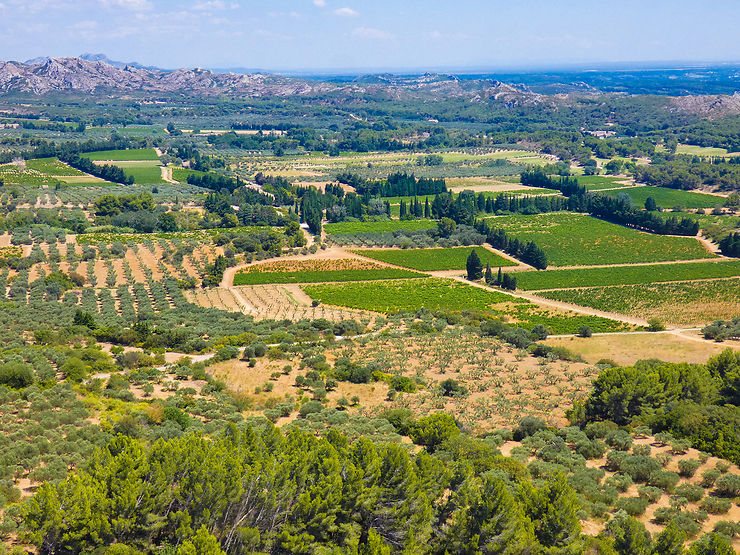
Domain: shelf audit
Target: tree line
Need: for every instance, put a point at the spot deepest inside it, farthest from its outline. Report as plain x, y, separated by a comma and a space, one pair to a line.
395, 185
620, 209
528, 252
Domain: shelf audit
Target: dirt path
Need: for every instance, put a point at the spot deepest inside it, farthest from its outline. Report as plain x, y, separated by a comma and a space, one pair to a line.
535, 291
557, 304
709, 245
167, 175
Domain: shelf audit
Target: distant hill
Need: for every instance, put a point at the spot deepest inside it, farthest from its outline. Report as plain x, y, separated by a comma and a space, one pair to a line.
103, 58
96, 73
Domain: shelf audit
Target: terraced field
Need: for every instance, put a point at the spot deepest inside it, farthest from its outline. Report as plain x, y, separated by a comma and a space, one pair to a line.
266, 302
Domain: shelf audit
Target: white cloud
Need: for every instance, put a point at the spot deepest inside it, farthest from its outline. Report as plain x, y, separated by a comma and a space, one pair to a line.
319, 3
136, 5
371, 33
439, 35
346, 12
209, 6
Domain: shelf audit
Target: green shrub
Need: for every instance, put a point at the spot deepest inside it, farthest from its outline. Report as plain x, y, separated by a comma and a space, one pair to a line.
311, 407
590, 449
619, 439
633, 506
688, 467
652, 494
716, 505
709, 477
664, 480
728, 485
727, 528
432, 430
692, 492
621, 482
402, 383
16, 375
599, 429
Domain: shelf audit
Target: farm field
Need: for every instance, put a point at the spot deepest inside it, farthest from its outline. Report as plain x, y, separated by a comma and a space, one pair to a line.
144, 173
626, 275
272, 302
695, 150
13, 175
408, 295
181, 174
435, 259
599, 182
389, 226
123, 155
691, 303
53, 167
316, 271
668, 198
390, 297
576, 239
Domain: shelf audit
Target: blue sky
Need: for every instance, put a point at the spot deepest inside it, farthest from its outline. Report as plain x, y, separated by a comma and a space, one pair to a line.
371, 34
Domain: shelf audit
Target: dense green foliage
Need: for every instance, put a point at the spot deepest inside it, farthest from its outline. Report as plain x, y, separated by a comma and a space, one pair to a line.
699, 402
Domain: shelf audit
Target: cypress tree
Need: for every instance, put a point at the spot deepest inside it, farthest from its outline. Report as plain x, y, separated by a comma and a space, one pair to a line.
427, 211
500, 277
474, 266
489, 274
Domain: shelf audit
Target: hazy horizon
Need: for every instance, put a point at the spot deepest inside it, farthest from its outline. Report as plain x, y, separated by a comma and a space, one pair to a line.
333, 36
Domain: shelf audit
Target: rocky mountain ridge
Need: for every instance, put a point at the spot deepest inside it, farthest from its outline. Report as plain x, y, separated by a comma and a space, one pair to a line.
96, 75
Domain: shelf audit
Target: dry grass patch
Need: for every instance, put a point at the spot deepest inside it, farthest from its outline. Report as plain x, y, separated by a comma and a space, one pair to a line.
626, 349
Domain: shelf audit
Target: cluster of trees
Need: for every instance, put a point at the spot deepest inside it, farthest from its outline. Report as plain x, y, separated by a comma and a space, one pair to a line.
506, 281
691, 172
722, 330
112, 205
108, 172
263, 490
621, 210
215, 181
730, 245
569, 186
415, 209
528, 252
396, 185
694, 401
521, 204
312, 210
